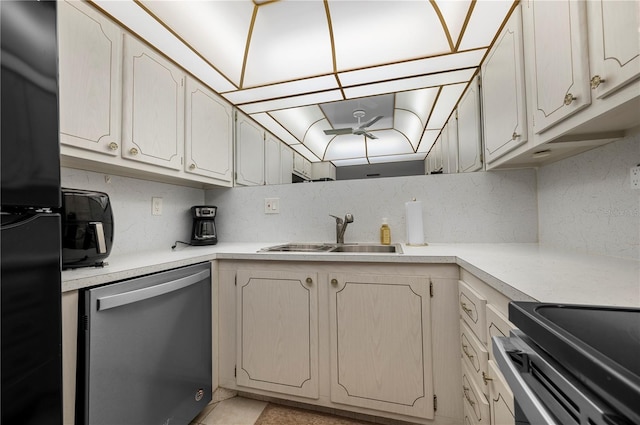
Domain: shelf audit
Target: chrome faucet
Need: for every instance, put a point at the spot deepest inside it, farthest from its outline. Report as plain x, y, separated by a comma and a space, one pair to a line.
341, 226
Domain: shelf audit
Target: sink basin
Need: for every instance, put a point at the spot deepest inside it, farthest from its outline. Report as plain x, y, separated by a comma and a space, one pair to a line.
329, 247
298, 247
368, 248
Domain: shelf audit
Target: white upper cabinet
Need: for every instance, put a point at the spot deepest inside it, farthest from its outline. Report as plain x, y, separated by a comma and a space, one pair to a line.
272, 172
208, 133
503, 97
614, 44
469, 133
301, 166
556, 54
249, 151
90, 68
153, 116
286, 163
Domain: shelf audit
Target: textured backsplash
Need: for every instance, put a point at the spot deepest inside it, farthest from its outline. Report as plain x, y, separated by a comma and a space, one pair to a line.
586, 203
477, 207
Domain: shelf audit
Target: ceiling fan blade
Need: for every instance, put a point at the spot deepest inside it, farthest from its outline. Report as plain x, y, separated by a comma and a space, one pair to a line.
338, 131
371, 121
369, 135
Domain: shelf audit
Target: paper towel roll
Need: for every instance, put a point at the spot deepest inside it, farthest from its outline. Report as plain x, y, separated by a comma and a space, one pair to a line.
415, 230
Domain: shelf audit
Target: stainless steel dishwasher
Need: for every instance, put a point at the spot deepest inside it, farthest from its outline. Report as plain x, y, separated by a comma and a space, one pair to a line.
145, 350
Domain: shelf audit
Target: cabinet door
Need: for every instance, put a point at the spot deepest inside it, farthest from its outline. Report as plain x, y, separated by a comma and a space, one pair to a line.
153, 118
504, 115
555, 45
209, 133
272, 173
500, 398
286, 163
249, 152
90, 69
277, 332
452, 133
380, 340
614, 44
469, 132
306, 167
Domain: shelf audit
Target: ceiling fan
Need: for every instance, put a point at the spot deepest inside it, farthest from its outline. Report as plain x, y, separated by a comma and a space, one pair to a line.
360, 130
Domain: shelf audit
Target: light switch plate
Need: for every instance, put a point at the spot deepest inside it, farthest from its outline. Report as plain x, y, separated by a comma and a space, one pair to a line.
272, 205
635, 177
156, 206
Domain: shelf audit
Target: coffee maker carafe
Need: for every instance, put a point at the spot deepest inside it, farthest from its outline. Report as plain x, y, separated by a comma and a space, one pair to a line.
204, 227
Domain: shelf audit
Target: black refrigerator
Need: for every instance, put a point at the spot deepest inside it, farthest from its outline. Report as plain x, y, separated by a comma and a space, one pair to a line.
30, 293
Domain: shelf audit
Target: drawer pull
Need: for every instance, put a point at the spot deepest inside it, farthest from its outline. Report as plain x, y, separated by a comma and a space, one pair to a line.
465, 308
466, 352
466, 395
486, 378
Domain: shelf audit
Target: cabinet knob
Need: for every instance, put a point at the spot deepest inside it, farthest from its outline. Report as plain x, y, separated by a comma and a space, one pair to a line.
596, 81
309, 281
569, 98
486, 378
133, 151
334, 282
112, 146
514, 136
192, 166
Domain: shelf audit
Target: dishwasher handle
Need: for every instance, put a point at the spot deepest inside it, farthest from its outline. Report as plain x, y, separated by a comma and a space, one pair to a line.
118, 300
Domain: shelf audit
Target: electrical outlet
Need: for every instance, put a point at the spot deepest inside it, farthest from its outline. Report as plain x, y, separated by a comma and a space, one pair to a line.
635, 177
272, 205
156, 206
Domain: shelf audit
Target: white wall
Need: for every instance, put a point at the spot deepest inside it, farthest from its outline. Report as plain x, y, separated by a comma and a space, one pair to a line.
478, 207
135, 228
586, 203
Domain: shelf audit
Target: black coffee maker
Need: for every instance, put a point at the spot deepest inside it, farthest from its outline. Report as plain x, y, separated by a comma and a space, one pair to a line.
203, 231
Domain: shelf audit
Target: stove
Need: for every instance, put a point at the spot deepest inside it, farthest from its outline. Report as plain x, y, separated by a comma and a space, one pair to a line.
573, 364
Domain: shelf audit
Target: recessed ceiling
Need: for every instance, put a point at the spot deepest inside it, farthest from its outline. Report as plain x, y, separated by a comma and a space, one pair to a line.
297, 67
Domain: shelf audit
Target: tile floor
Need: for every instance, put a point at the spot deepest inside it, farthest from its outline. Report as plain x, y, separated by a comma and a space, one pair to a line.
232, 411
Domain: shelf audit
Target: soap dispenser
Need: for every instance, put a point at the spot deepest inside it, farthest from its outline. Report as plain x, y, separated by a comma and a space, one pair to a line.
385, 233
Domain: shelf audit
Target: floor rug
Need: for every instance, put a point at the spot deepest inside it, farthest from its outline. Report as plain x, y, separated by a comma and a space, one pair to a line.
275, 414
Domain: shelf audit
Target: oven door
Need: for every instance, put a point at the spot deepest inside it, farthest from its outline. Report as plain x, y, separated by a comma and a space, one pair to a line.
545, 391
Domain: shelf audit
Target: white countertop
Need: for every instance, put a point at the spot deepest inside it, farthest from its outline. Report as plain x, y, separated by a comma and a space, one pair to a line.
524, 272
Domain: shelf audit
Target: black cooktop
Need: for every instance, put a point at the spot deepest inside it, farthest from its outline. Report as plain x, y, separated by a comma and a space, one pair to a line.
599, 345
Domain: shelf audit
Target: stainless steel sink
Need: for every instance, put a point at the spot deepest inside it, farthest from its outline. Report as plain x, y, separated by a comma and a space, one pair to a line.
368, 248
337, 248
298, 247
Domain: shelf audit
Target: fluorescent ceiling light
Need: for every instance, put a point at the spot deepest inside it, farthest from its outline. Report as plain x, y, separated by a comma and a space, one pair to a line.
279, 60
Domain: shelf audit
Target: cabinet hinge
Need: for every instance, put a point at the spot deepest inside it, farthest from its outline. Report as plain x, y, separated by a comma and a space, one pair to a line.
430, 288
235, 280
435, 403
234, 371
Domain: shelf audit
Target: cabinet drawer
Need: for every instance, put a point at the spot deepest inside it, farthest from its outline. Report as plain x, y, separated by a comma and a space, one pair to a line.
474, 399
474, 356
500, 398
473, 310
497, 325
468, 415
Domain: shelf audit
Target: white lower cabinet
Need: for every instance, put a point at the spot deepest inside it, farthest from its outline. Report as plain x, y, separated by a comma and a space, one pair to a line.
277, 330
380, 338
483, 310
364, 338
500, 397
